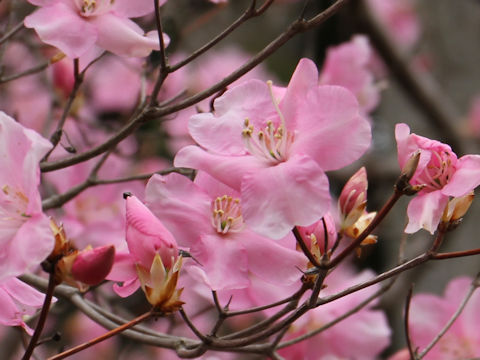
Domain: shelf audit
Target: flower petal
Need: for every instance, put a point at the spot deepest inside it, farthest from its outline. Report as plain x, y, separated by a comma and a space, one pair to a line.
465, 178
124, 37
283, 264
330, 129
179, 203
277, 198
59, 25
425, 210
222, 132
227, 169
223, 260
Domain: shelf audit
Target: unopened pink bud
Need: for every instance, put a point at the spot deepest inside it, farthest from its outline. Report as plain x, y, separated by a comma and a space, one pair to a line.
353, 198
91, 266
147, 236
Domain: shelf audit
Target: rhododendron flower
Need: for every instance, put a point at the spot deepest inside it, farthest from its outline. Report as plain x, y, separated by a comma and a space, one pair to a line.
430, 313
348, 65
273, 145
75, 26
146, 238
17, 300
25, 236
441, 173
400, 18
206, 217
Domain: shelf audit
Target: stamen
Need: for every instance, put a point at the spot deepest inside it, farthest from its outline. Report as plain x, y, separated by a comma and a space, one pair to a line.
226, 215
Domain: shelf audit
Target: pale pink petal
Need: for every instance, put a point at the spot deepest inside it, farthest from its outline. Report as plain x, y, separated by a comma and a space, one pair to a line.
127, 288
330, 129
180, 203
31, 244
465, 178
425, 210
277, 198
227, 169
123, 37
213, 187
283, 264
9, 314
302, 81
123, 268
222, 132
59, 25
23, 293
137, 8
224, 262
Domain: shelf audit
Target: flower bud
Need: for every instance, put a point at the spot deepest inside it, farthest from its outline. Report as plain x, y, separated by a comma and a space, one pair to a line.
353, 198
91, 266
457, 208
160, 284
147, 236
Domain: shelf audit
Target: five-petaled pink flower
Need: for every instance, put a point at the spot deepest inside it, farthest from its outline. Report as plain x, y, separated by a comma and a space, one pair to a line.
205, 216
442, 174
75, 26
274, 144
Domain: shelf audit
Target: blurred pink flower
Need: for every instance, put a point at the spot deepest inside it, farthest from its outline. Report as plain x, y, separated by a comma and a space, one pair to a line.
205, 216
430, 313
474, 117
273, 145
400, 18
75, 26
348, 65
25, 235
440, 172
361, 336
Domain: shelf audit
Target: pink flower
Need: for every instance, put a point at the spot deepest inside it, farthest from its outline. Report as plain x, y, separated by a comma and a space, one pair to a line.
430, 313
440, 172
17, 300
273, 145
348, 65
146, 238
25, 236
75, 26
400, 18
206, 217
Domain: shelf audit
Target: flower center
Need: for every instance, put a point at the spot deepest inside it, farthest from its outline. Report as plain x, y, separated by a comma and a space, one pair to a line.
438, 172
226, 215
93, 7
272, 142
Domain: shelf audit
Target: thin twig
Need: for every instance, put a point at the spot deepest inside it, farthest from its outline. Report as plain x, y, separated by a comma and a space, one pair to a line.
103, 337
406, 323
11, 32
43, 315
36, 69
